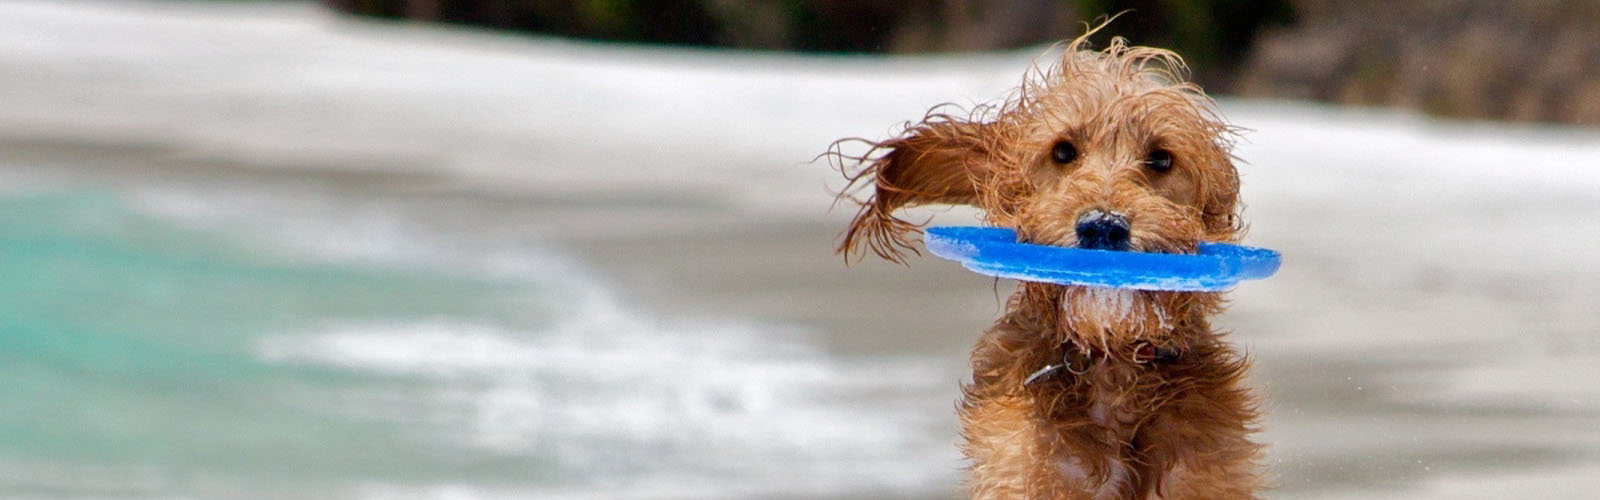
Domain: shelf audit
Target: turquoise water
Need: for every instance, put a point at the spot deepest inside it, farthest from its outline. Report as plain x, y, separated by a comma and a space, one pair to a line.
131, 345
153, 356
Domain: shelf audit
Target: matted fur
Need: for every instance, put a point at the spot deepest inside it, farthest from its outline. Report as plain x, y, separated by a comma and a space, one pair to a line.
1119, 426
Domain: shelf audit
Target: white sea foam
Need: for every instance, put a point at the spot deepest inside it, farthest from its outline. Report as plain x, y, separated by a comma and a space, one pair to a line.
635, 406
635, 403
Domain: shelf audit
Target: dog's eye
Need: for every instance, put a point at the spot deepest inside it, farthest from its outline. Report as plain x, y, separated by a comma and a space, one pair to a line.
1063, 152
1160, 160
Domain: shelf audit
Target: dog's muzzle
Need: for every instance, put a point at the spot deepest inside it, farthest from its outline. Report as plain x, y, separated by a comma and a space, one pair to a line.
1101, 230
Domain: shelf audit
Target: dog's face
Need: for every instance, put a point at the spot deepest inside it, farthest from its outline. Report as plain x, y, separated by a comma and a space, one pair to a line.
1112, 161
1106, 150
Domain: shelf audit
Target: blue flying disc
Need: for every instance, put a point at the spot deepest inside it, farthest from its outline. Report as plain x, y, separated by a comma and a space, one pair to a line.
994, 251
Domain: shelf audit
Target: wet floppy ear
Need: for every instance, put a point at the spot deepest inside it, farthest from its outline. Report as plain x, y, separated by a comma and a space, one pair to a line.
942, 160
1220, 202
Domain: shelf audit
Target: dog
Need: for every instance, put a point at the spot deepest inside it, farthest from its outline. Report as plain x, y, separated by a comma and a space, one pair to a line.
1082, 392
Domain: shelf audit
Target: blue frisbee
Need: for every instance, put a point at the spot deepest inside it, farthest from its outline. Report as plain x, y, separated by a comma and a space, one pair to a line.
994, 251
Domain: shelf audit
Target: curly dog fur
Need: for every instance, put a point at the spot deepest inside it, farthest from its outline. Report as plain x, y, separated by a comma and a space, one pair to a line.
1152, 402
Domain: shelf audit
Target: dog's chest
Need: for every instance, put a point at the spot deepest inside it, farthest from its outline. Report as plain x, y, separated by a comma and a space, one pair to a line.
1108, 415
1112, 403
1116, 418
1115, 485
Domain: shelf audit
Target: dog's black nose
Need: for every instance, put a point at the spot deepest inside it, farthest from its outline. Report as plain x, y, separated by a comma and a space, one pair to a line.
1101, 230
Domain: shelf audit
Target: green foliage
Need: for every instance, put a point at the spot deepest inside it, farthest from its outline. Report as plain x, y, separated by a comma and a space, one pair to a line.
608, 16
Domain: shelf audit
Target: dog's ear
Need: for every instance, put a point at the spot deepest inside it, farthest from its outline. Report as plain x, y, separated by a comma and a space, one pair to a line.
942, 160
1220, 205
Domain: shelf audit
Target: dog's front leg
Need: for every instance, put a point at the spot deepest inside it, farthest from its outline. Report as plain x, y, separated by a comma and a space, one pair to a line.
1017, 453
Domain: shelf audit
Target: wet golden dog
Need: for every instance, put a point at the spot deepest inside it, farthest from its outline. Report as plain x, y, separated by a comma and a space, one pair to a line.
1079, 392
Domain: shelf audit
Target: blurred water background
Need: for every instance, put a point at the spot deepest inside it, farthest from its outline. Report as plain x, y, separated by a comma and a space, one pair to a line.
154, 350
261, 250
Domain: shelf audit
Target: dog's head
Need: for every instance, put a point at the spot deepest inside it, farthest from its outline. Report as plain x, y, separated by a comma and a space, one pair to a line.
1107, 149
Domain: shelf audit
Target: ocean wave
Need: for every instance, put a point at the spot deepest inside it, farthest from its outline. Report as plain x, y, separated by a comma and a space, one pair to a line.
635, 404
